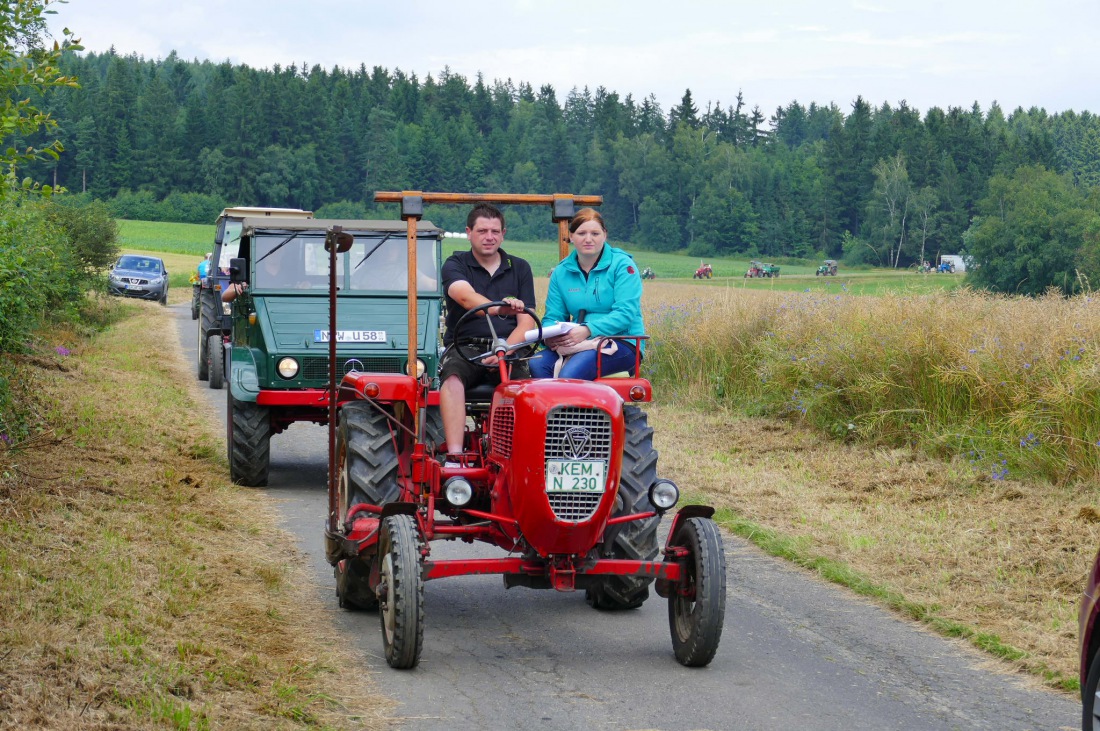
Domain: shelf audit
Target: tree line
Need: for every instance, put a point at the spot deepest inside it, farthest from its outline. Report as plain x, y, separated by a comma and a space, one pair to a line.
882, 184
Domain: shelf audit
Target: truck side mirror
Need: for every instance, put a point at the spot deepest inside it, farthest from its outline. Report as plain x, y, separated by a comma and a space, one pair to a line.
237, 269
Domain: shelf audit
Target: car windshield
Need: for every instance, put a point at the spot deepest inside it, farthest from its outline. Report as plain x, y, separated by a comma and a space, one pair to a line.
138, 263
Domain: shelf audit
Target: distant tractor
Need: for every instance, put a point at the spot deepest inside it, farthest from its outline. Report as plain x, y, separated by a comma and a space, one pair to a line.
771, 270
756, 269
703, 272
827, 269
647, 273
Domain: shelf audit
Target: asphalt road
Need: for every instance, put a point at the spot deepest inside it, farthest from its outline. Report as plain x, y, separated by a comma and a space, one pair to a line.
796, 653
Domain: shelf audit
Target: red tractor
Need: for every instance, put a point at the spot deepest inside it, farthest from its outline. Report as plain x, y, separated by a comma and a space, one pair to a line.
559, 474
703, 272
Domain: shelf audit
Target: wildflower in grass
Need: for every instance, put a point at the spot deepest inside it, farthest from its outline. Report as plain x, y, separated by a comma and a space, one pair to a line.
1029, 441
972, 351
5, 438
1027, 366
63, 351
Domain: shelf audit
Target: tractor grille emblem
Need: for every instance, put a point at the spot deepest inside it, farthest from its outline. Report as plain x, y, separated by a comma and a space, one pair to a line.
577, 443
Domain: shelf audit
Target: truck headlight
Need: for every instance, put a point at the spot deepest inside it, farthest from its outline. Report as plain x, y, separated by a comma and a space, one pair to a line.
664, 494
287, 367
420, 368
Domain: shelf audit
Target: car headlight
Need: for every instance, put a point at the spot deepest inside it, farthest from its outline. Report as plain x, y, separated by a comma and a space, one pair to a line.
420, 368
287, 367
156, 280
114, 277
664, 494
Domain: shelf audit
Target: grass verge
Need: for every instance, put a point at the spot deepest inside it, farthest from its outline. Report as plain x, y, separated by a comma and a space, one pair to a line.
139, 588
998, 563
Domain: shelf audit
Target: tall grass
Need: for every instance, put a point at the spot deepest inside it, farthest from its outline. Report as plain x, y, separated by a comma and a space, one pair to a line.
1011, 383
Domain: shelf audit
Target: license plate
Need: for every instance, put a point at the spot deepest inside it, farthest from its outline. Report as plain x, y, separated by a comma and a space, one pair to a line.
351, 336
575, 475
133, 286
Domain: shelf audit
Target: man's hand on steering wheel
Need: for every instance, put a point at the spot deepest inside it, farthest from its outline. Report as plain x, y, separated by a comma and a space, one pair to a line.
505, 307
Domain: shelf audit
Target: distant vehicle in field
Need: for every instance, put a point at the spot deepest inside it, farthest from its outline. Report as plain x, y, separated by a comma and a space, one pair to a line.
756, 269
703, 272
827, 269
771, 270
138, 276
951, 263
647, 273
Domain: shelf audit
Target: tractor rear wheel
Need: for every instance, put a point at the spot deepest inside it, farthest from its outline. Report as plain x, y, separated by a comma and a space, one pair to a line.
196, 303
401, 592
249, 441
371, 463
636, 540
433, 430
697, 605
215, 361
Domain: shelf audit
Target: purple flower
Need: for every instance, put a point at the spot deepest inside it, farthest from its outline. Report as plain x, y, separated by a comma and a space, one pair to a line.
5, 438
62, 350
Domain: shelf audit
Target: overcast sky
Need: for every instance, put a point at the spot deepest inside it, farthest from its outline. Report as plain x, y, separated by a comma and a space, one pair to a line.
926, 52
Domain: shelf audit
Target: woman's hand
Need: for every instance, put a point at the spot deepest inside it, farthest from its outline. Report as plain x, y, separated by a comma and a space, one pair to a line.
574, 337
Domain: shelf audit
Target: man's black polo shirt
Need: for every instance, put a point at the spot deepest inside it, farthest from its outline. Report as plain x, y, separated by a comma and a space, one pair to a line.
513, 278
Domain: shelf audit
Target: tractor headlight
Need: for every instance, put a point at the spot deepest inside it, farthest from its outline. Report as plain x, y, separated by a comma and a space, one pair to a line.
287, 367
227, 308
420, 368
458, 491
664, 494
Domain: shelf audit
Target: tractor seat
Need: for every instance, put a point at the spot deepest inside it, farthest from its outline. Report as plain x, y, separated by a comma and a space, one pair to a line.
480, 396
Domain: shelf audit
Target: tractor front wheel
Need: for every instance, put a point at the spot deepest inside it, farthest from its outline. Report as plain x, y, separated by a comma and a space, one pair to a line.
636, 540
401, 592
208, 318
249, 441
697, 605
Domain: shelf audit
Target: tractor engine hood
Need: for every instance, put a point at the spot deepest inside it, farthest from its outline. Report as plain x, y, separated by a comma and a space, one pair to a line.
561, 440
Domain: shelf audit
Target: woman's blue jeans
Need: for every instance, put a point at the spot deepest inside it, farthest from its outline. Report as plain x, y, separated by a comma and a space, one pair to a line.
582, 365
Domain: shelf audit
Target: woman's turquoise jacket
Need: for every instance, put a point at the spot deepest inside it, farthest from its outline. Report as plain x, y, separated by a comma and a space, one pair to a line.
611, 296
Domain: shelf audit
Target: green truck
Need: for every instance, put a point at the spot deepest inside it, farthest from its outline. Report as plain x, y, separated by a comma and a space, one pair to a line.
277, 358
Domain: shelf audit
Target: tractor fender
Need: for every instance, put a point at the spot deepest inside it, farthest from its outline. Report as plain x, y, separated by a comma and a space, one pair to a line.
688, 511
244, 382
398, 508
664, 587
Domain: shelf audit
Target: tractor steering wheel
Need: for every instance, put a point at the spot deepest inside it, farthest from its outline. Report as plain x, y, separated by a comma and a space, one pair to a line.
511, 351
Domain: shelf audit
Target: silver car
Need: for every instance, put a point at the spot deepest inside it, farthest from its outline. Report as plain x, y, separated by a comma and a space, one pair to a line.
134, 275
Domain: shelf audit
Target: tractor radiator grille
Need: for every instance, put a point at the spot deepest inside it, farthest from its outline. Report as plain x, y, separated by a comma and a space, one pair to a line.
573, 507
574, 432
317, 368
504, 425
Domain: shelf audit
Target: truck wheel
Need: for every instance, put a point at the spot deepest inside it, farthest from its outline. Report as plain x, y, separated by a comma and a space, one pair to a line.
216, 361
249, 442
401, 592
697, 605
636, 540
208, 317
371, 466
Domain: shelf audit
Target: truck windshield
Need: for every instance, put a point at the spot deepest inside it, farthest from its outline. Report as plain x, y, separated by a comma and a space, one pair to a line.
376, 265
